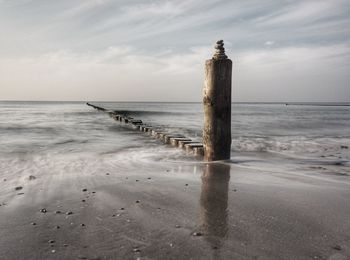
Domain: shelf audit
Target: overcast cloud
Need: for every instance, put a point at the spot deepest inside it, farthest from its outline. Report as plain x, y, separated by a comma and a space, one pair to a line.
134, 50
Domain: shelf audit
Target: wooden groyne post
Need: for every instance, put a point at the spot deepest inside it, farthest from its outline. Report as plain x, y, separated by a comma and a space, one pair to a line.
217, 106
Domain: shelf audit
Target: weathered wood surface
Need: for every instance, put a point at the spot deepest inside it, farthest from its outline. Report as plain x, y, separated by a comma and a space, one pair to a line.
217, 106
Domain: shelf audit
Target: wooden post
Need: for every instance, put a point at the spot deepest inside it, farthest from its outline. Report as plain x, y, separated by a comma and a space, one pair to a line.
217, 106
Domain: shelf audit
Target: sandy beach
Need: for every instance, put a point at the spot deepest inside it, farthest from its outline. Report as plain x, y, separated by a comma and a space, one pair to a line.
176, 211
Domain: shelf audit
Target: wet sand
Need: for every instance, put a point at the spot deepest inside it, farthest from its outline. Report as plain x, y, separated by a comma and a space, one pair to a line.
176, 211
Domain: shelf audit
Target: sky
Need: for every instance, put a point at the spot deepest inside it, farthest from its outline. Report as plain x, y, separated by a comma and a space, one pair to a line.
138, 50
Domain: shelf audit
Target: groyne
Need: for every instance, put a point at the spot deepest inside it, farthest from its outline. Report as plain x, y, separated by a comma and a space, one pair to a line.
168, 138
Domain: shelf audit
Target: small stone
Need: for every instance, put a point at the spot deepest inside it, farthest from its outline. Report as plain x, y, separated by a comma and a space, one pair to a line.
5, 180
128, 220
53, 251
65, 245
113, 215
177, 226
197, 234
149, 178
121, 208
33, 223
43, 210
137, 180
136, 250
57, 227
31, 177
337, 247
58, 212
83, 225
215, 247
84, 190
18, 188
107, 173
171, 245
51, 241
186, 184
234, 190
69, 213
137, 201
94, 192
83, 200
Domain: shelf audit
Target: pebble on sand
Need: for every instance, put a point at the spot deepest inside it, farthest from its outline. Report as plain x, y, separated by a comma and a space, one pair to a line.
57, 227
19, 188
69, 213
107, 173
177, 226
58, 212
83, 200
51, 241
136, 250
197, 234
137, 201
43, 210
33, 223
83, 225
84, 189
337, 247
31, 177
121, 208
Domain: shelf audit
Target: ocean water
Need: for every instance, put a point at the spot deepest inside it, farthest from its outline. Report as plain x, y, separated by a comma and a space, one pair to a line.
70, 136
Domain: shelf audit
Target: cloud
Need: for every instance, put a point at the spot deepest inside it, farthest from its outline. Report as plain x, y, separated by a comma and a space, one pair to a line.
143, 49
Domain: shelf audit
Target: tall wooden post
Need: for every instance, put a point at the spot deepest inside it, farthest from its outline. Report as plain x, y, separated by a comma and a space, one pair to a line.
217, 106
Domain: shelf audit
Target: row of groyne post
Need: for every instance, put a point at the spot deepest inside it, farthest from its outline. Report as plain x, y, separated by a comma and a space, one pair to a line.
217, 113
173, 139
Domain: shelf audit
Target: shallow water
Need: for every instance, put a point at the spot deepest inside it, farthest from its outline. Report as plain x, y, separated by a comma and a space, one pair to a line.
268, 135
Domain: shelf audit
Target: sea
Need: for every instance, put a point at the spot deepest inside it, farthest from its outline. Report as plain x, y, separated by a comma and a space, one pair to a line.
71, 136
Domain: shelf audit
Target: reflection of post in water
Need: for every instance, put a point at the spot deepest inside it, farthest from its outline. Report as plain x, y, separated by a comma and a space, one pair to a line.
213, 202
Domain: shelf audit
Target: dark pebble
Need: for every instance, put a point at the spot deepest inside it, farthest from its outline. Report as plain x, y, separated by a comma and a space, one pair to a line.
177, 226
58, 212
137, 180
69, 213
337, 247
107, 173
215, 247
51, 241
83, 225
65, 245
94, 192
83, 200
18, 188
113, 215
57, 227
84, 190
121, 208
33, 223
137, 201
149, 178
43, 210
136, 250
344, 147
234, 190
197, 234
186, 184
31, 177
